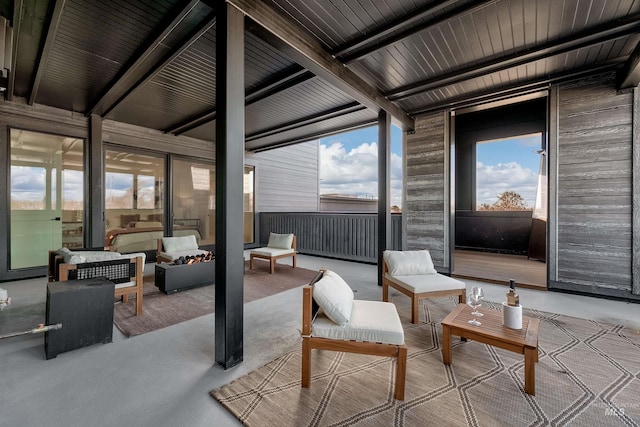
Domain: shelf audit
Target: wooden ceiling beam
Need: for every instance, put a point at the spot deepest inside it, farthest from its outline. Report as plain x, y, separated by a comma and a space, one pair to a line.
54, 24
120, 84
294, 41
610, 31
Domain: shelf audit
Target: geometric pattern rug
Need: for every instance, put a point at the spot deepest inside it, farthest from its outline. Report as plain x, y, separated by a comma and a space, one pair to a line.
588, 374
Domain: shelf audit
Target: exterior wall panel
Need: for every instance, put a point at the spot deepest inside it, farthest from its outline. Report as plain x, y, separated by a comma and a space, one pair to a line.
426, 188
287, 178
594, 187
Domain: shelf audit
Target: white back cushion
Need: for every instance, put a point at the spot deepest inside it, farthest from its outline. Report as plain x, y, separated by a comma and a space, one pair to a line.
182, 243
280, 241
409, 263
334, 297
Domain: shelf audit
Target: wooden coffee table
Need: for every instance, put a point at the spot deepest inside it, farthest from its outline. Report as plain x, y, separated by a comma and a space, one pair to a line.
492, 332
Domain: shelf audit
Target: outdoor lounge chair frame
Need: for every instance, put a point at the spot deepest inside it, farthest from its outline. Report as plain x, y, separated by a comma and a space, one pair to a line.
386, 282
309, 310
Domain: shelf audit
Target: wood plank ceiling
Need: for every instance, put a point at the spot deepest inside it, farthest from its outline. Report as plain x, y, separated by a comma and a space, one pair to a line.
152, 63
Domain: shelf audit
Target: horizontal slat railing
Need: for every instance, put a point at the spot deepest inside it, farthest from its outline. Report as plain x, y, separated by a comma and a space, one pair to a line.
349, 236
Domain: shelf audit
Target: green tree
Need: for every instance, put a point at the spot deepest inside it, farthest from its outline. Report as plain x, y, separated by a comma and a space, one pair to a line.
507, 201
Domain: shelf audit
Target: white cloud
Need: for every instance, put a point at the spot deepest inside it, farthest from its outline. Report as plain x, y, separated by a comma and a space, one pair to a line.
493, 180
356, 172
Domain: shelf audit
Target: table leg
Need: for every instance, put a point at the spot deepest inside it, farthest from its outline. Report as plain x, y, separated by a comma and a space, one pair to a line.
530, 358
446, 345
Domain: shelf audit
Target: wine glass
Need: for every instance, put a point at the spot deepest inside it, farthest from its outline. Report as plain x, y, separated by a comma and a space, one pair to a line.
477, 290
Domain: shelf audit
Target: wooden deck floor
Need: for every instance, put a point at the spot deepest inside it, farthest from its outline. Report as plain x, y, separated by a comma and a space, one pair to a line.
499, 268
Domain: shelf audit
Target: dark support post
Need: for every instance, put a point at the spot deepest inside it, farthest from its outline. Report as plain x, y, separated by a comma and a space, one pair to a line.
94, 217
384, 187
229, 181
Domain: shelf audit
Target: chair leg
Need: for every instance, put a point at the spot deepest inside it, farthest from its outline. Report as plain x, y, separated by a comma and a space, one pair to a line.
462, 298
251, 262
306, 363
139, 302
401, 371
125, 298
272, 265
294, 260
414, 309
385, 291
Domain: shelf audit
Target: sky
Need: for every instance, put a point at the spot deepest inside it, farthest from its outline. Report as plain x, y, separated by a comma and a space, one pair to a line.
349, 165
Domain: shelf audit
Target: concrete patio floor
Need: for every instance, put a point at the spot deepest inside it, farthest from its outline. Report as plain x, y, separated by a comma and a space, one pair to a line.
163, 378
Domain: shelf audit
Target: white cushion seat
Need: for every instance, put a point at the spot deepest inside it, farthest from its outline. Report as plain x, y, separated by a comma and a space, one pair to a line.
269, 252
371, 321
426, 282
279, 246
413, 274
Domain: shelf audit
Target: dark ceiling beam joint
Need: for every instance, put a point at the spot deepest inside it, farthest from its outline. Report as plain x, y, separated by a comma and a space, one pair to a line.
629, 75
18, 10
278, 82
610, 31
294, 41
200, 30
281, 82
317, 135
308, 120
54, 24
377, 44
515, 90
192, 123
394, 25
118, 84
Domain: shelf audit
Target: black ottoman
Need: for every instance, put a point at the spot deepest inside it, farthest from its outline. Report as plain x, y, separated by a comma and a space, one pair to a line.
85, 309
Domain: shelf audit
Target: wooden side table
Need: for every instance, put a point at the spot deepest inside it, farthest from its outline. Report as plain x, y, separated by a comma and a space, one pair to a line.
492, 332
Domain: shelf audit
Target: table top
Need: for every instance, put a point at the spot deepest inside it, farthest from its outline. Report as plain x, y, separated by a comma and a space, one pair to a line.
492, 326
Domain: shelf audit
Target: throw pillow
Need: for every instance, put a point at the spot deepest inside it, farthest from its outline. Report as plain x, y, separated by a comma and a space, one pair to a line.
335, 297
181, 243
280, 241
409, 263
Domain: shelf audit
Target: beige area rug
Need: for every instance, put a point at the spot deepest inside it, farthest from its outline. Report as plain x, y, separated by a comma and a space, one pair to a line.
160, 310
588, 374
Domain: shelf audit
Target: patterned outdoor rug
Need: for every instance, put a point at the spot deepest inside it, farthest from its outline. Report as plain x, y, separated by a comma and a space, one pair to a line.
160, 310
588, 374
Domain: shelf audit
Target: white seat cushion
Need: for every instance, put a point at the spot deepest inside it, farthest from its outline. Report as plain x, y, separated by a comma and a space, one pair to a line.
371, 321
426, 282
271, 251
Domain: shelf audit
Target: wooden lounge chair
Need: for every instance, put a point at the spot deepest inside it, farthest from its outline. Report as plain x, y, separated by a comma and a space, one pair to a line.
279, 246
413, 274
348, 325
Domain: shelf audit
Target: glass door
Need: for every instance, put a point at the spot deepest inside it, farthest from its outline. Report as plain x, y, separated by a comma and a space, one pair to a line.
47, 188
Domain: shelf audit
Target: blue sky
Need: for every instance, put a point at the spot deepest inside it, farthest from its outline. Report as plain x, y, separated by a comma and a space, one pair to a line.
348, 165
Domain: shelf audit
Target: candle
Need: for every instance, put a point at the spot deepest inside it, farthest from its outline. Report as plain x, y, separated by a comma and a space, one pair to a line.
3, 294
